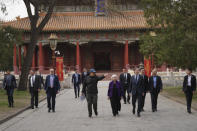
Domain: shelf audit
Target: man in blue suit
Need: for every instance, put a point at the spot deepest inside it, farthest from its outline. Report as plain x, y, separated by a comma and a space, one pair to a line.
76, 80
52, 87
137, 91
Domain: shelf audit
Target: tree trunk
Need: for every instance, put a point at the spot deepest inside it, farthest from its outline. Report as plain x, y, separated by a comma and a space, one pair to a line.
28, 61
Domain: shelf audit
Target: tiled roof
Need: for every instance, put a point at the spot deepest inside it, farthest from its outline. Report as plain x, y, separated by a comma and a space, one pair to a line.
86, 21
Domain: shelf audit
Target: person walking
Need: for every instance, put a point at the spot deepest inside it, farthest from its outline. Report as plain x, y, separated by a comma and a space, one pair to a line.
34, 88
76, 80
137, 91
189, 88
125, 79
9, 84
115, 92
84, 74
52, 87
145, 86
90, 90
156, 86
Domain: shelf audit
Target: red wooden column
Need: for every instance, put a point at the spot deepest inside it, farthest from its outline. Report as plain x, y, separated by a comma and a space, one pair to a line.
41, 62
78, 63
126, 53
15, 60
33, 66
19, 57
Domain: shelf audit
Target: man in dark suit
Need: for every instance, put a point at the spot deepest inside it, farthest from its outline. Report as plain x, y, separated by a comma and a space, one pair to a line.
9, 84
76, 80
156, 86
145, 85
52, 87
189, 87
41, 77
137, 90
84, 74
34, 88
125, 79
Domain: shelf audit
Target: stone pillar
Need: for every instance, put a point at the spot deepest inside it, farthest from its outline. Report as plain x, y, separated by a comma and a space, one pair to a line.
19, 57
78, 62
41, 62
15, 60
126, 53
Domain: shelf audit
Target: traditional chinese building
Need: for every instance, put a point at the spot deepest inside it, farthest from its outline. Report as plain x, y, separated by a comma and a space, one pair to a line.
91, 33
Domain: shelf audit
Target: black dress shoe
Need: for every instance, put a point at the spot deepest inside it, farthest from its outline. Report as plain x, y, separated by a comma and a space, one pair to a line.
32, 107
53, 111
189, 111
49, 110
133, 111
138, 114
90, 116
96, 113
153, 110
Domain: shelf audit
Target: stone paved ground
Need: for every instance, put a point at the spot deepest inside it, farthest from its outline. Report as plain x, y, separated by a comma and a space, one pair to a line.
71, 115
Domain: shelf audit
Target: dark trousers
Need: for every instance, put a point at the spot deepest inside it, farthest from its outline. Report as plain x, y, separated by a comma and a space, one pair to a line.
77, 90
34, 98
115, 105
137, 97
143, 100
126, 91
51, 95
189, 96
154, 97
92, 100
10, 93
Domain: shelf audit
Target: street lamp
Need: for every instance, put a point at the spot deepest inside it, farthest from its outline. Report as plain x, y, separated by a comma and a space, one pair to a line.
53, 44
153, 34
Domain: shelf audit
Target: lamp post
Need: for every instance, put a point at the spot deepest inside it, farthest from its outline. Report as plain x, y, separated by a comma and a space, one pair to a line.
53, 44
153, 34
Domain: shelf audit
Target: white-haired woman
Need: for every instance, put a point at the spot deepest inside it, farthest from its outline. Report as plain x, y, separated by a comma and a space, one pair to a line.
115, 93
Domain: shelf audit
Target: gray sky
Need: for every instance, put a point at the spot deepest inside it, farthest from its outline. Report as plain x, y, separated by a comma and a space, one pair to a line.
14, 9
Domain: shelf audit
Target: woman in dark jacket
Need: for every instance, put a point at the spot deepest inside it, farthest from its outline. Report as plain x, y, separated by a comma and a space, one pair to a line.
115, 93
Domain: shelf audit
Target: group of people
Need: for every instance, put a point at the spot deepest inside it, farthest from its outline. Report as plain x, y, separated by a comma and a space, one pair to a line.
35, 83
51, 86
127, 86
135, 86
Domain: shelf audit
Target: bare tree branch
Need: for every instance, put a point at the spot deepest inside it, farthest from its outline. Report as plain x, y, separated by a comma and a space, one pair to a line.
47, 16
28, 6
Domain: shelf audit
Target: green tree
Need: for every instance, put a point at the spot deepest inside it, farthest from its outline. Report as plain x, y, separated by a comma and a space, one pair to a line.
174, 22
8, 36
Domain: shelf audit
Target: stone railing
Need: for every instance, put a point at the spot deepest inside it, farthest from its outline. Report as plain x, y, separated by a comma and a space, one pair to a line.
173, 78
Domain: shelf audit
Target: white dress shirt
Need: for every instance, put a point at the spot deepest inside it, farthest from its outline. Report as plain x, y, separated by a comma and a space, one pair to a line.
32, 80
189, 80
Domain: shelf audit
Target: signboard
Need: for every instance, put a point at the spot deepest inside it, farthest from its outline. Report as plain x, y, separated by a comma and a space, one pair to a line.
100, 7
59, 68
